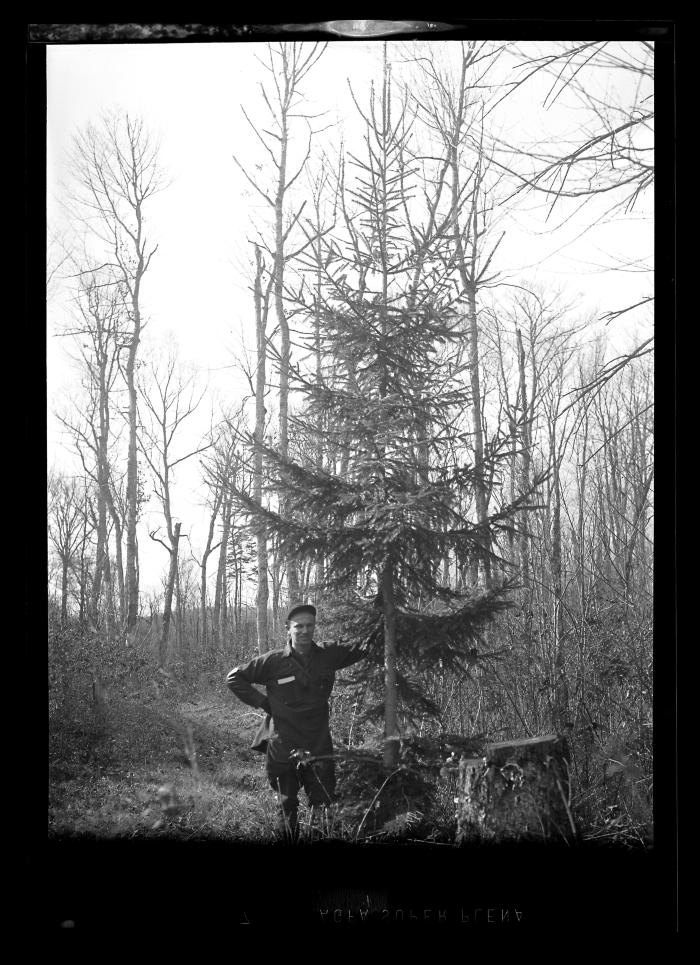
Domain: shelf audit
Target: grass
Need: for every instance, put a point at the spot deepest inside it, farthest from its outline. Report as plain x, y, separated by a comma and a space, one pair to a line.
166, 766
172, 761
128, 771
175, 762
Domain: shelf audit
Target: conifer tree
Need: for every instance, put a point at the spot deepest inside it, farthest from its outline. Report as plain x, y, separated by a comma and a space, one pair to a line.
390, 403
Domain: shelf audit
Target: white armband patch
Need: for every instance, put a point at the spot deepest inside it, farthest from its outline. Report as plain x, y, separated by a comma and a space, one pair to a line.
286, 680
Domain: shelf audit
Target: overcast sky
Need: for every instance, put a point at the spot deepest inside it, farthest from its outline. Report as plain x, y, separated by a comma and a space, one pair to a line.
190, 96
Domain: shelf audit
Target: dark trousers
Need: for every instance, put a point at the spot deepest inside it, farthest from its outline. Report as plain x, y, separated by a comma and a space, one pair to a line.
318, 780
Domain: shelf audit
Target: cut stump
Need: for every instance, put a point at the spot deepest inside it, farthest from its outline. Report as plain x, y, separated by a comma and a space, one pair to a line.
519, 790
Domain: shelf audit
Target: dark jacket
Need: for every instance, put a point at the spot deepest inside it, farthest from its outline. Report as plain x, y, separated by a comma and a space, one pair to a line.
298, 691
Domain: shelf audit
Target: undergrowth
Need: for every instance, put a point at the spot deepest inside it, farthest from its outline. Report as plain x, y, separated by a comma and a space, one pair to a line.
135, 751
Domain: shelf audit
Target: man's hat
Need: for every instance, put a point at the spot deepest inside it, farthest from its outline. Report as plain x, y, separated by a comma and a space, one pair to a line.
301, 608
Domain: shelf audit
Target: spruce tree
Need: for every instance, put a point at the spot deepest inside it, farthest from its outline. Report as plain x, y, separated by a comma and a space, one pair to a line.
390, 405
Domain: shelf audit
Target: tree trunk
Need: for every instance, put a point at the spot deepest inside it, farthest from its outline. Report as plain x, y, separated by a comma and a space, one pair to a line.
83, 568
446, 570
119, 560
278, 269
180, 610
391, 724
167, 606
132, 494
512, 428
64, 592
320, 574
479, 482
561, 683
236, 585
205, 557
518, 790
203, 603
276, 576
262, 597
131, 589
223, 612
101, 552
109, 597
524, 467
467, 267
260, 376
221, 571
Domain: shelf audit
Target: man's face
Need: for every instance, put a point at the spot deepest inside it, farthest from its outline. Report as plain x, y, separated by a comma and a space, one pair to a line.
301, 630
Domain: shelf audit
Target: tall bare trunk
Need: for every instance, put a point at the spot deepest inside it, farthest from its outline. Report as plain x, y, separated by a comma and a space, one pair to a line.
276, 576
221, 572
101, 550
132, 495
320, 574
223, 611
117, 524
103, 479
260, 375
467, 267
561, 688
285, 344
203, 603
480, 489
180, 611
581, 527
109, 600
131, 589
64, 592
524, 465
167, 606
83, 565
236, 563
203, 568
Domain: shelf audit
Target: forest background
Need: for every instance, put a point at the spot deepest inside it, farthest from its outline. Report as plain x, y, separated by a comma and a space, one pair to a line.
506, 189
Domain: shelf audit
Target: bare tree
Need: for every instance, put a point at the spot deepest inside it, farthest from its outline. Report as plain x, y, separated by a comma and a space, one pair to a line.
115, 173
607, 165
216, 499
68, 530
219, 614
262, 304
613, 151
95, 332
289, 65
219, 470
168, 397
451, 103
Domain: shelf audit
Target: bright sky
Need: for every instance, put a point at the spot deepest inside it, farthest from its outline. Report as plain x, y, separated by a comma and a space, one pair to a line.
190, 97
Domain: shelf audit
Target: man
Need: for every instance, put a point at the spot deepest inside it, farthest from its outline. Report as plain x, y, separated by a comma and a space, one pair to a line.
299, 679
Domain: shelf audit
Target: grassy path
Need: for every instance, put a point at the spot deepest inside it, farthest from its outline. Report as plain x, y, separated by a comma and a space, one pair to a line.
166, 762
160, 766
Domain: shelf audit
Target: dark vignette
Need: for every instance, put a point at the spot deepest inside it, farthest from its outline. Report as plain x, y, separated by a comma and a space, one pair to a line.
97, 885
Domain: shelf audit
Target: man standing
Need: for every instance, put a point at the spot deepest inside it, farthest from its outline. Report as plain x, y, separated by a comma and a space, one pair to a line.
299, 679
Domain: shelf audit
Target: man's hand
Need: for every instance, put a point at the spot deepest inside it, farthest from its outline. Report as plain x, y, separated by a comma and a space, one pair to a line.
300, 756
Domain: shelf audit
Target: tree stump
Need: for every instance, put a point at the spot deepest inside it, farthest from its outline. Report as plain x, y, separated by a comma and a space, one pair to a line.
519, 790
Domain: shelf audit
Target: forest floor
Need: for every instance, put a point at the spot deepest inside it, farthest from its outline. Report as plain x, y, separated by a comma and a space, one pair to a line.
173, 760
161, 764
